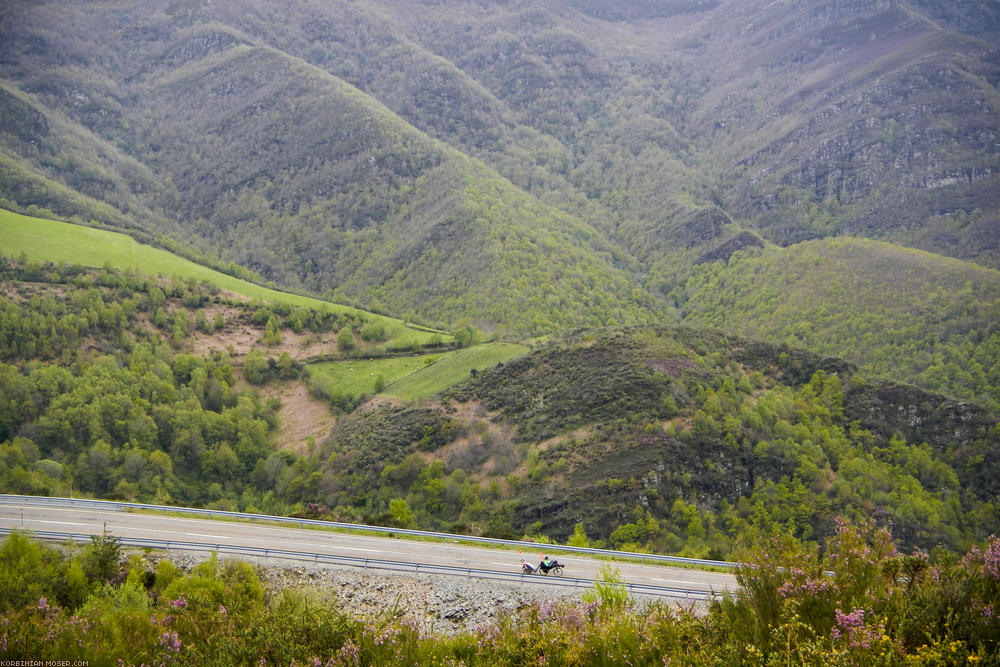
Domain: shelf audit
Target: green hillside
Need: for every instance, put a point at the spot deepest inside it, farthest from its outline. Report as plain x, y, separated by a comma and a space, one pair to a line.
42, 240
348, 198
899, 313
337, 150
671, 439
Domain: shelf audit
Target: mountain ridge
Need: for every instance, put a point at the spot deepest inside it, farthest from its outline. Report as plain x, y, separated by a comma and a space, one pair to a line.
378, 154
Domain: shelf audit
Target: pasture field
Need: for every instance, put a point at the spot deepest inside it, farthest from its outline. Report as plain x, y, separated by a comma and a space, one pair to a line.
410, 377
45, 240
356, 377
451, 368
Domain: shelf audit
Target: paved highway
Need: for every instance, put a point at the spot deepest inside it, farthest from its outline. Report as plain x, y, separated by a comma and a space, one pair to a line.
239, 534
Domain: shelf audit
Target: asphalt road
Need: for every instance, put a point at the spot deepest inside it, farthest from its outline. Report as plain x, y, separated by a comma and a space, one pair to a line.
232, 533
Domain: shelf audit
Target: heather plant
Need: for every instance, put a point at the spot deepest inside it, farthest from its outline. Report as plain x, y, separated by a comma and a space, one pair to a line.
862, 602
792, 608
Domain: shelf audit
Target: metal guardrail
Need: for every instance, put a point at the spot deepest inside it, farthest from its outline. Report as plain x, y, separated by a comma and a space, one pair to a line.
123, 506
371, 563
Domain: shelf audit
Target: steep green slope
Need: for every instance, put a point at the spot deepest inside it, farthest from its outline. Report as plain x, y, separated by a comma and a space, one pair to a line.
608, 115
671, 439
304, 179
524, 168
858, 118
899, 313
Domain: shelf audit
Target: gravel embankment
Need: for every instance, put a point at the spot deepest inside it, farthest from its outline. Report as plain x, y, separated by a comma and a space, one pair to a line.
440, 604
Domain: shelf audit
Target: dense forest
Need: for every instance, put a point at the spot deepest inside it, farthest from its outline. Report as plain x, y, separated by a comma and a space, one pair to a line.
897, 313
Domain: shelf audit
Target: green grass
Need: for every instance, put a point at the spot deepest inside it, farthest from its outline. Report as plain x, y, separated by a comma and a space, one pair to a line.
356, 377
44, 240
411, 377
451, 368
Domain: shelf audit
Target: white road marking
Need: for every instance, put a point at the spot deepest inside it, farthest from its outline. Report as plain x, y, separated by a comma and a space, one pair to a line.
61, 523
464, 556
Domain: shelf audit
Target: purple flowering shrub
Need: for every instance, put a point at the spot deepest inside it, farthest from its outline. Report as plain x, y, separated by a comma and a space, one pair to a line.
864, 602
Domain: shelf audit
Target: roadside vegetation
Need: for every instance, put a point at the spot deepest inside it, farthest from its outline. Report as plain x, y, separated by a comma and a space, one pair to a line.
854, 600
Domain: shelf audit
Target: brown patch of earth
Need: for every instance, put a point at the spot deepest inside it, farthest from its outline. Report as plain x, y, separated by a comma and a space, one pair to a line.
240, 337
24, 291
300, 417
487, 450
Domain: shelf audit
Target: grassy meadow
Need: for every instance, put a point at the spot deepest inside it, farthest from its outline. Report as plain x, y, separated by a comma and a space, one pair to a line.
411, 377
451, 368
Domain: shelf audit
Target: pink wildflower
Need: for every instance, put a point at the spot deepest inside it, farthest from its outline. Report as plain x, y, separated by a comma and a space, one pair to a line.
852, 628
991, 557
170, 641
348, 653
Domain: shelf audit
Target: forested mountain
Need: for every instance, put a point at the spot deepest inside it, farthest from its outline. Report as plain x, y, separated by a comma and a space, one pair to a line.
895, 312
805, 175
328, 146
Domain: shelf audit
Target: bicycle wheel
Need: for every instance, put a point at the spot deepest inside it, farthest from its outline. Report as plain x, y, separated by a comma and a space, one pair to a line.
557, 570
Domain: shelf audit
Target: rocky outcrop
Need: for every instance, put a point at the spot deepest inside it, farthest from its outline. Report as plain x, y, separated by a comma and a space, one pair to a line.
723, 252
